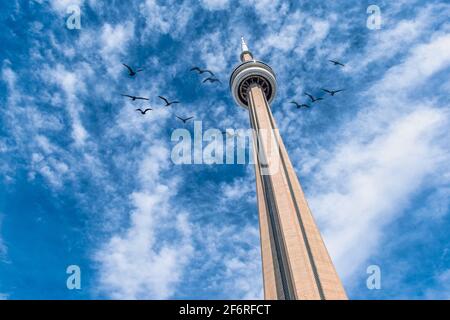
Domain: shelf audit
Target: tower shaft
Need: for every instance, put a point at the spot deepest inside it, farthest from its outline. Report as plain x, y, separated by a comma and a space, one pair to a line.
296, 264
295, 261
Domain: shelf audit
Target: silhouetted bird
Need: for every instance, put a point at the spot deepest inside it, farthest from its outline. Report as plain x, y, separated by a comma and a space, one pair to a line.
300, 105
184, 119
201, 71
133, 98
337, 63
143, 111
312, 98
212, 80
168, 103
131, 72
332, 92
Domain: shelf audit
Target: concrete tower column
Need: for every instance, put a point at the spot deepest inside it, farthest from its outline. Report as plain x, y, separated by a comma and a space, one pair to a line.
295, 261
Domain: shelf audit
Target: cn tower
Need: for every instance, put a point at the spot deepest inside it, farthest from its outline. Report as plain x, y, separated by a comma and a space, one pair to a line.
295, 262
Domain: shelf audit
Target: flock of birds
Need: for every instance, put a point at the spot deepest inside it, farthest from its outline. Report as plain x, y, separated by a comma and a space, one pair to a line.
211, 78
133, 72
314, 99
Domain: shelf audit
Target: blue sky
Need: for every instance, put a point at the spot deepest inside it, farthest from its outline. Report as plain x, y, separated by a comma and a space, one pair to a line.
85, 180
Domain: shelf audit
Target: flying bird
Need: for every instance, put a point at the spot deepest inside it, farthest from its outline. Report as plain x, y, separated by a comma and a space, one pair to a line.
313, 99
143, 111
332, 92
300, 105
131, 72
201, 71
337, 63
184, 119
133, 98
211, 79
168, 103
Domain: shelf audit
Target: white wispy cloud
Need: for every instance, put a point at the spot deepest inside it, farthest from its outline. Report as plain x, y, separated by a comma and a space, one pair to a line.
365, 185
61, 5
270, 12
72, 85
240, 189
236, 262
3, 247
398, 36
385, 155
441, 291
118, 258
168, 18
284, 38
424, 61
3, 250
214, 51
114, 41
215, 4
243, 275
136, 264
20, 106
141, 261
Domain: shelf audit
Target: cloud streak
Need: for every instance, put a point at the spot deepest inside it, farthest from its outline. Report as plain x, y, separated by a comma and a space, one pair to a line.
387, 155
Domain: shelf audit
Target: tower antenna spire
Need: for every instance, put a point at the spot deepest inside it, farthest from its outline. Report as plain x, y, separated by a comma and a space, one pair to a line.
244, 46
246, 55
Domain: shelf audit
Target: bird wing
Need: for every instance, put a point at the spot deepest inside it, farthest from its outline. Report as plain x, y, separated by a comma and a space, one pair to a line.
310, 96
337, 62
148, 109
336, 91
326, 90
196, 69
142, 98
179, 118
128, 67
188, 119
139, 110
162, 98
207, 79
126, 95
209, 71
293, 102
319, 99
